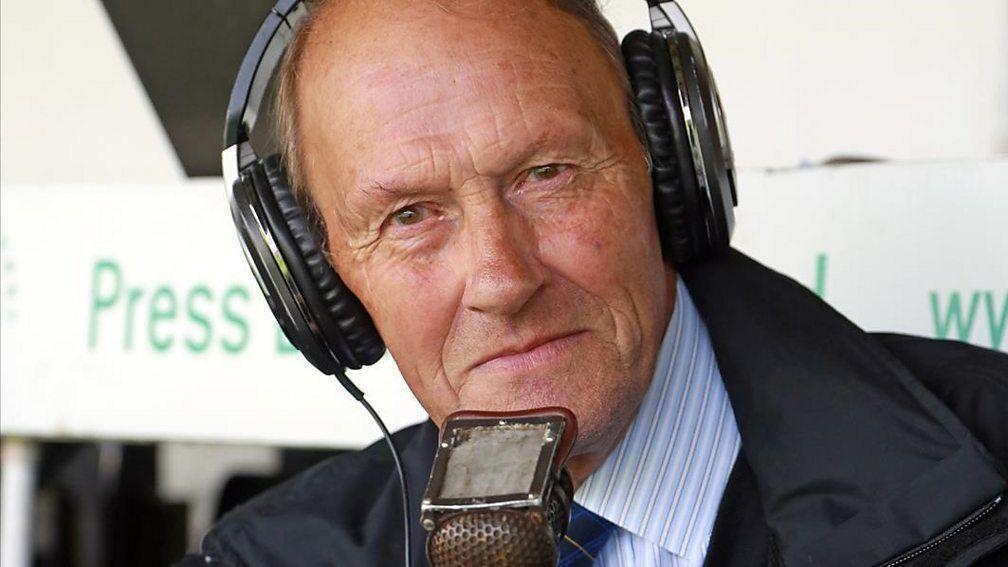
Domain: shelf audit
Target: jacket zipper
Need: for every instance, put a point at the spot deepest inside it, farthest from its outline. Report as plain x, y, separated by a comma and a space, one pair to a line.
947, 534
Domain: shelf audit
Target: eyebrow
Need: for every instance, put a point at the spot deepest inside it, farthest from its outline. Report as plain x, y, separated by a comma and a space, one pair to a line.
365, 203
380, 189
373, 195
379, 193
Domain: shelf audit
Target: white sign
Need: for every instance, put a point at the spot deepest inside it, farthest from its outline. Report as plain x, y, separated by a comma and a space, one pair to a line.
910, 248
128, 312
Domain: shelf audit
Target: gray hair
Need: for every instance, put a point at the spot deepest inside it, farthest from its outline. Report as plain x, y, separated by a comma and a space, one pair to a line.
285, 103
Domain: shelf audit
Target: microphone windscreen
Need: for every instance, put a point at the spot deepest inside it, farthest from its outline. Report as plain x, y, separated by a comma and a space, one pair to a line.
495, 537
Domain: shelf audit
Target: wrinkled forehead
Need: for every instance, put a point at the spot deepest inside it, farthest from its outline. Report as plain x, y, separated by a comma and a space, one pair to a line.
354, 46
374, 70
367, 30
474, 86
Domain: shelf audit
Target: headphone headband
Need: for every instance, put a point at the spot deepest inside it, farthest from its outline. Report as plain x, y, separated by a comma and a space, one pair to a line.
257, 68
260, 61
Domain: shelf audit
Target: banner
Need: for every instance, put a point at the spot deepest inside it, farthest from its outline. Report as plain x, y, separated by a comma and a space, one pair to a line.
128, 312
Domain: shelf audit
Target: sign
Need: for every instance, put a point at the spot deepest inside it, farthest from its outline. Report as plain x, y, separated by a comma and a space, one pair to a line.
128, 312
909, 248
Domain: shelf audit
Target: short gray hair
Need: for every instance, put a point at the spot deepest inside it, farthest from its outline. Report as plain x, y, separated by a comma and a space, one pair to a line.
286, 103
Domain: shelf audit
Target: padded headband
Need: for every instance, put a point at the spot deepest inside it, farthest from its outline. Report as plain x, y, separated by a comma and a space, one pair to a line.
260, 62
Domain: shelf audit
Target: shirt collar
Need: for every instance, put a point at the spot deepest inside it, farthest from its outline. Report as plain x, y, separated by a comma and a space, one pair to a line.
664, 481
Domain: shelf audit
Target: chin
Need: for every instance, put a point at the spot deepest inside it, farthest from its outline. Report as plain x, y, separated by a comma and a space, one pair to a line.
588, 378
602, 413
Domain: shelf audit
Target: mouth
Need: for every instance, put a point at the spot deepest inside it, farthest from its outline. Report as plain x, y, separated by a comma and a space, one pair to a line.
529, 355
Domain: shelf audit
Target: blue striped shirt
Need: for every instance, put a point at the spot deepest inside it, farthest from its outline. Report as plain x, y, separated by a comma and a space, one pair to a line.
663, 483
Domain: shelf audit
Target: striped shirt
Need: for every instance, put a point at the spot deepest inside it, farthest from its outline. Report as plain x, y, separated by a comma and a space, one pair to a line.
663, 483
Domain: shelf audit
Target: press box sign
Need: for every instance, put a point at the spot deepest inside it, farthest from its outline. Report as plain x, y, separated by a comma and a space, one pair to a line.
128, 312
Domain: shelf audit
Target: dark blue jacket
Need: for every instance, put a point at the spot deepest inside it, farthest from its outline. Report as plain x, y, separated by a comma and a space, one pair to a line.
857, 449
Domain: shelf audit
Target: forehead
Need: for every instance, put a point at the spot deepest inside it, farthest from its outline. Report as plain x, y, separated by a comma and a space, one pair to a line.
472, 74
484, 99
350, 38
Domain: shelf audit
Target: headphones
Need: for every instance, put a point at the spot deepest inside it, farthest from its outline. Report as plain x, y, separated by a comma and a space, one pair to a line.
680, 111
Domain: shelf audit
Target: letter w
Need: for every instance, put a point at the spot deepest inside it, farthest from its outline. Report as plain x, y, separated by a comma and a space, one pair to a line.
953, 315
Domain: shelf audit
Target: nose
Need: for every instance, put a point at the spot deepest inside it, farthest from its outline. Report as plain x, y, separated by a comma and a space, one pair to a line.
505, 270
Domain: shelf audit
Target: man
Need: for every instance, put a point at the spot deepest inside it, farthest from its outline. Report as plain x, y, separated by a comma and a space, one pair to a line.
487, 197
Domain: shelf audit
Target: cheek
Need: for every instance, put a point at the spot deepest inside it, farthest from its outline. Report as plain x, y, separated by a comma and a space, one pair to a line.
609, 248
605, 243
412, 307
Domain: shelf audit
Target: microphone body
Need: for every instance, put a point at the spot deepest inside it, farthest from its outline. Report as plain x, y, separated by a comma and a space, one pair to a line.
498, 494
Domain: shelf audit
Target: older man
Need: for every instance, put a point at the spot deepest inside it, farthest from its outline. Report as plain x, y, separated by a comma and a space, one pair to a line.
486, 195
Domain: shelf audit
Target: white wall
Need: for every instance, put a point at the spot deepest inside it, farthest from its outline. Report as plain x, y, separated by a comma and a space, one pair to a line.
801, 81
72, 110
805, 80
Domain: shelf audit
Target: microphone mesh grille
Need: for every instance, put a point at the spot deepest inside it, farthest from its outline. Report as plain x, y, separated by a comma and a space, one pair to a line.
494, 538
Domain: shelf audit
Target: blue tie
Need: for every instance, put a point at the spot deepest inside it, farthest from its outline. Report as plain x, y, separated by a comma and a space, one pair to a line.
590, 531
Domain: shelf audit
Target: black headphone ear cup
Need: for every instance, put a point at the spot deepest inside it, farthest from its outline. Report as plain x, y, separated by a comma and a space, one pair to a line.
676, 210
345, 324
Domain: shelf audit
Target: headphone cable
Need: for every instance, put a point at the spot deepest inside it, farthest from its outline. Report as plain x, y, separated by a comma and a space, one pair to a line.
398, 465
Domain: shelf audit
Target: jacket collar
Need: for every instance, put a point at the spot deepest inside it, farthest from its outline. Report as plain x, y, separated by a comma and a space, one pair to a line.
855, 461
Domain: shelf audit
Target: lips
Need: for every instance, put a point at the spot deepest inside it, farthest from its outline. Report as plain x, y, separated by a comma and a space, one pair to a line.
529, 354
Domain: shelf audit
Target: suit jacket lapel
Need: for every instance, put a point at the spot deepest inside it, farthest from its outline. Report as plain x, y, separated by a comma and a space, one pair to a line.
847, 448
740, 537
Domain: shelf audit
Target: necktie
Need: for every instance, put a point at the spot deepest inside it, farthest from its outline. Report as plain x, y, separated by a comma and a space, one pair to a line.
589, 532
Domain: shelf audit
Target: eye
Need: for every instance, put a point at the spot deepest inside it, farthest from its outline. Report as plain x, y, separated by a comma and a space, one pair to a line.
409, 215
546, 172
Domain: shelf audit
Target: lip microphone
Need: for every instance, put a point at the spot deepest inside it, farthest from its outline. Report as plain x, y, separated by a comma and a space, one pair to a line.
498, 493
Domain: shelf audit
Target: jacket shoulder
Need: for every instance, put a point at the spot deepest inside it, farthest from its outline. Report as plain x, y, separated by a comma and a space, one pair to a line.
327, 515
972, 381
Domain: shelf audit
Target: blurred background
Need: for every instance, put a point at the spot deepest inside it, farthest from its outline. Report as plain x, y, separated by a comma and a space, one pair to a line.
144, 387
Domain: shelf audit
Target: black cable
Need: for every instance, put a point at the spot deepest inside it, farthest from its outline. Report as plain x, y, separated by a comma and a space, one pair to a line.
402, 477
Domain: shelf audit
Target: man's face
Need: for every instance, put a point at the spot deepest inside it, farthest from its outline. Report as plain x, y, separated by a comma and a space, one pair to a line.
486, 198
